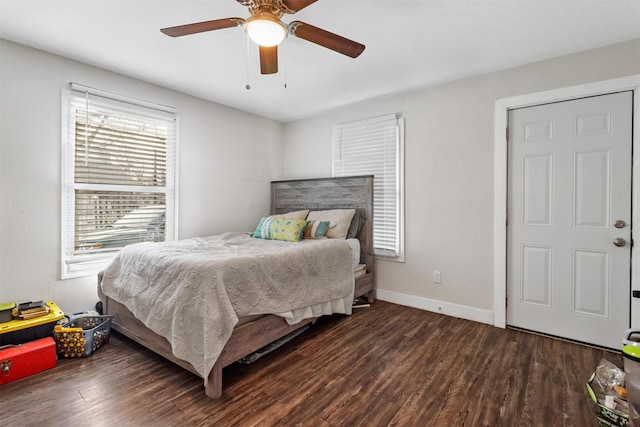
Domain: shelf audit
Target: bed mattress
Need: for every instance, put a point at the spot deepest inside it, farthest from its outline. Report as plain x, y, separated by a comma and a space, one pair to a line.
193, 292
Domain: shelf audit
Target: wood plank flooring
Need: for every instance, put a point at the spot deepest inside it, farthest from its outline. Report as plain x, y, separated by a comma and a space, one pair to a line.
386, 365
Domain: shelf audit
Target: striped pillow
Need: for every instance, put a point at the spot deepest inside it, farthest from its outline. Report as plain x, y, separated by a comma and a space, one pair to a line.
316, 229
290, 230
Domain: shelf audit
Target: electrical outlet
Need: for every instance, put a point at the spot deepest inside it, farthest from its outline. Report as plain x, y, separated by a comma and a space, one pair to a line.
437, 277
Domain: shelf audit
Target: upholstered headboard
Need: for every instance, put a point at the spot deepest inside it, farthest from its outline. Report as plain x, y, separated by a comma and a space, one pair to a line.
330, 193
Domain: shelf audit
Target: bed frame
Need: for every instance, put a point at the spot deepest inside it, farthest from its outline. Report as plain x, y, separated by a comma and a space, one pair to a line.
286, 196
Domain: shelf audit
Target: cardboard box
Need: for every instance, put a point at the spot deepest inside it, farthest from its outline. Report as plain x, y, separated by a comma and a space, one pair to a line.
607, 417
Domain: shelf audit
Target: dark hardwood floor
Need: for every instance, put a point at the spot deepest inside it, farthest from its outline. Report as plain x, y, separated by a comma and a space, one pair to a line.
385, 365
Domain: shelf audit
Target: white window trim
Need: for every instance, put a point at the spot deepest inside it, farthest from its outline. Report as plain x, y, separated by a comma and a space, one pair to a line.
400, 188
401, 219
86, 265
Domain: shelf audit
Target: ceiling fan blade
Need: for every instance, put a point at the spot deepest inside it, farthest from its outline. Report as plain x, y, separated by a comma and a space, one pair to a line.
199, 27
326, 39
268, 60
293, 6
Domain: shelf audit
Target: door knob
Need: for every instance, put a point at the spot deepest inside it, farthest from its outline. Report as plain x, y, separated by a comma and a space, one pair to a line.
620, 224
619, 241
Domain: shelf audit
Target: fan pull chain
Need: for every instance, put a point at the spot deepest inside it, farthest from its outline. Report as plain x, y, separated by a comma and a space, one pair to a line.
248, 86
285, 63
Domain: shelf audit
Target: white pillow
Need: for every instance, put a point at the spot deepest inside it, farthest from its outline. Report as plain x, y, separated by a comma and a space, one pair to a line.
342, 218
354, 244
300, 215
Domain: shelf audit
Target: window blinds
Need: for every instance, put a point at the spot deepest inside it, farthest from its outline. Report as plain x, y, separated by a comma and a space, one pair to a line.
119, 176
373, 147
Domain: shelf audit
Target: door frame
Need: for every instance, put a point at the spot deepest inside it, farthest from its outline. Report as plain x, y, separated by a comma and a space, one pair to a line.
502, 107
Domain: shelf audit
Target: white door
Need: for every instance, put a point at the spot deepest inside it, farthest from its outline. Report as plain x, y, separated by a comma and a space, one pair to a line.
569, 191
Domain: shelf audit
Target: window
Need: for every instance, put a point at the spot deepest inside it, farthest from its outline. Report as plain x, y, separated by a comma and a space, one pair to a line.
119, 173
376, 147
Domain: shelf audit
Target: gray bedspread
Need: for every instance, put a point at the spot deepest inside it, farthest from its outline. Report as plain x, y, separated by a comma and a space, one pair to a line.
193, 291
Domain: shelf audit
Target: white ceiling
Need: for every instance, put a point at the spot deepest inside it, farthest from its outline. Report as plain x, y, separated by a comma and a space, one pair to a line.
409, 44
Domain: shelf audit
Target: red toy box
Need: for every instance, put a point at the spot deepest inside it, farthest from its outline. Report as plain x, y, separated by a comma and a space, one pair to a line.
19, 361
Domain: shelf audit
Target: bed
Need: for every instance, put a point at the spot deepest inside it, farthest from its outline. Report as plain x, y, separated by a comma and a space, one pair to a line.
254, 332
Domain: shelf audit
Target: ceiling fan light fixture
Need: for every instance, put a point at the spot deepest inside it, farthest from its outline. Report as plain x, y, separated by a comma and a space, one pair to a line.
265, 30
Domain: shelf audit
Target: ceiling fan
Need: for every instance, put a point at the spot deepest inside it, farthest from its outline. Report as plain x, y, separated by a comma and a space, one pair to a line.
265, 28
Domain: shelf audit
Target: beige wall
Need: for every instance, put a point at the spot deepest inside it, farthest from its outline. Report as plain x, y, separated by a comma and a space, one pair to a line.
227, 159
449, 172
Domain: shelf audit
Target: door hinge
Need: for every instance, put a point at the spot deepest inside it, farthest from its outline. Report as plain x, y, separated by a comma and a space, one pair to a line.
507, 134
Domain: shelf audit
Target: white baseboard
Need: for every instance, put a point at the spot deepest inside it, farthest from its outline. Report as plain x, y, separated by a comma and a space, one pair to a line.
455, 310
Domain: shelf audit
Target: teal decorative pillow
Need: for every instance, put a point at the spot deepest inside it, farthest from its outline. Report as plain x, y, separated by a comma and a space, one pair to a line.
262, 228
316, 229
290, 230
